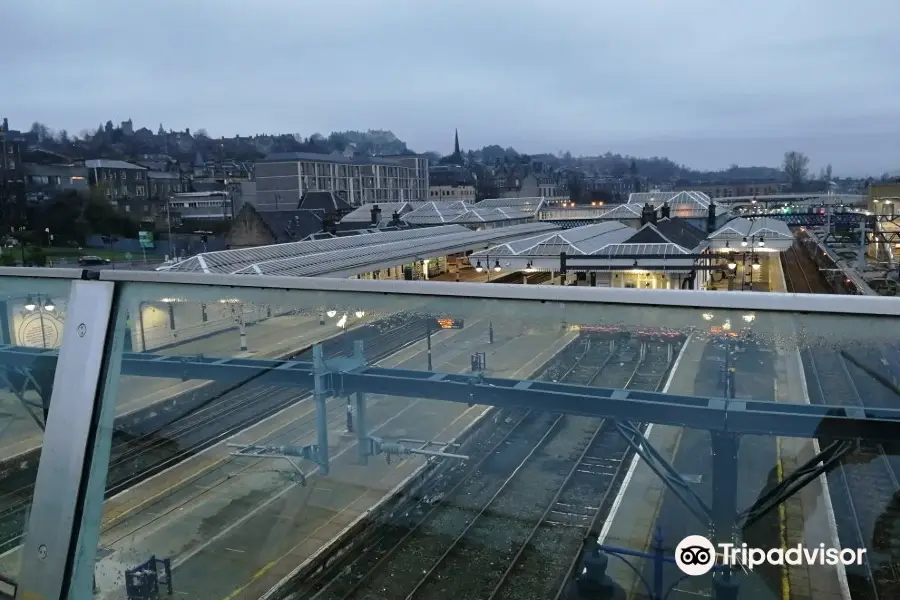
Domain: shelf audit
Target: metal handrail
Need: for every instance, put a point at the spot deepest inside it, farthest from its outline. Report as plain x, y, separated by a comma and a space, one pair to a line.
770, 302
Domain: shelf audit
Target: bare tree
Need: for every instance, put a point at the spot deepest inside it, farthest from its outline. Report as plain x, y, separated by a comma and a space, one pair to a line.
796, 168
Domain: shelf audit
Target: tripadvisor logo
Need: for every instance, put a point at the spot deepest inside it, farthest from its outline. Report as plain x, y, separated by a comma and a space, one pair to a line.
695, 555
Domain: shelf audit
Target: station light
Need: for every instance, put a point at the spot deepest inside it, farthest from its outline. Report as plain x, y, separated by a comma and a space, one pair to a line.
749, 318
732, 265
342, 321
762, 242
331, 313
360, 314
497, 266
478, 267
744, 242
708, 316
30, 305
727, 325
755, 264
49, 306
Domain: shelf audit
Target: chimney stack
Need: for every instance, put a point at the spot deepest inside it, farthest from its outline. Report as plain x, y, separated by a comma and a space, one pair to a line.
666, 210
711, 218
376, 214
652, 213
395, 219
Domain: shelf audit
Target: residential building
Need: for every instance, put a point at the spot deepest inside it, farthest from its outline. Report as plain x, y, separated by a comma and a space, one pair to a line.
43, 182
253, 227
419, 172
118, 179
610, 189
317, 213
163, 184
12, 176
283, 178
531, 185
451, 182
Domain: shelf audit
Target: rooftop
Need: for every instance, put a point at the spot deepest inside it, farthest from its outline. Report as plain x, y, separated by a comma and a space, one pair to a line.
106, 163
327, 158
336, 255
531, 205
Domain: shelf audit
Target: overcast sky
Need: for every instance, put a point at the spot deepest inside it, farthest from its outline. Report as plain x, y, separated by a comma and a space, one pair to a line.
705, 82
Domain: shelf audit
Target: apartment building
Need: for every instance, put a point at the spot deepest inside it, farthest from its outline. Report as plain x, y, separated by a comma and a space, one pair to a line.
119, 179
283, 178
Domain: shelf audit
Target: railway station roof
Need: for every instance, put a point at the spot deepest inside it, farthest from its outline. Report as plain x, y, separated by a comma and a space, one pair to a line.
347, 256
613, 243
775, 234
436, 213
687, 205
363, 214
623, 212
492, 215
530, 205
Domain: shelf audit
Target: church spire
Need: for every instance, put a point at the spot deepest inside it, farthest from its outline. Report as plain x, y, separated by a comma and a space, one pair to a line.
456, 143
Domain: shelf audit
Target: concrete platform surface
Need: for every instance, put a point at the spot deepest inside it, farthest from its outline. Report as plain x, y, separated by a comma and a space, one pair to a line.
234, 527
646, 503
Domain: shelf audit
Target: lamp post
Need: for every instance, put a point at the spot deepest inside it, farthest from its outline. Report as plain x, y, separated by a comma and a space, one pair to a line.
487, 259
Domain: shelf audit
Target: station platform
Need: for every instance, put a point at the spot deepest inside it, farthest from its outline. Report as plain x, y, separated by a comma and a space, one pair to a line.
271, 338
235, 527
645, 503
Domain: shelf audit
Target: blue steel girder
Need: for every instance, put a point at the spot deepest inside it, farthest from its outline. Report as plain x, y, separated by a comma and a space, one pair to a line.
714, 414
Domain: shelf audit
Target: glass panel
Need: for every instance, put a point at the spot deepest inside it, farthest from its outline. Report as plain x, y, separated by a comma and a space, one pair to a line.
214, 463
32, 319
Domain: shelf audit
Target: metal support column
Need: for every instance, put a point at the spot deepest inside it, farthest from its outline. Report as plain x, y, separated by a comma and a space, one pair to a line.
562, 268
428, 342
6, 335
490, 332
724, 509
243, 330
643, 353
64, 526
320, 396
669, 352
861, 252
612, 346
349, 415
321, 316
363, 442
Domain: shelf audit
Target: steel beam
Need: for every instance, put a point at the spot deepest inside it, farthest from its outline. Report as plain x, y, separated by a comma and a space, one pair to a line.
346, 376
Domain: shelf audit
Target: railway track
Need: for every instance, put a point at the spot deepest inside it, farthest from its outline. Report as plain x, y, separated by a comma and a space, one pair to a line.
136, 458
865, 485
796, 267
512, 524
868, 482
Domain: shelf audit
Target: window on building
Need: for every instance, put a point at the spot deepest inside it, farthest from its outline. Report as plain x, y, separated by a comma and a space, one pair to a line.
139, 190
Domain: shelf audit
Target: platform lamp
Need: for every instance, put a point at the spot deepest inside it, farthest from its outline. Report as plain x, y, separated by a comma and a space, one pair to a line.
40, 305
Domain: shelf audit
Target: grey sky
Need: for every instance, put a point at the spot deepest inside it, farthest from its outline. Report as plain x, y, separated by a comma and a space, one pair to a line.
706, 82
